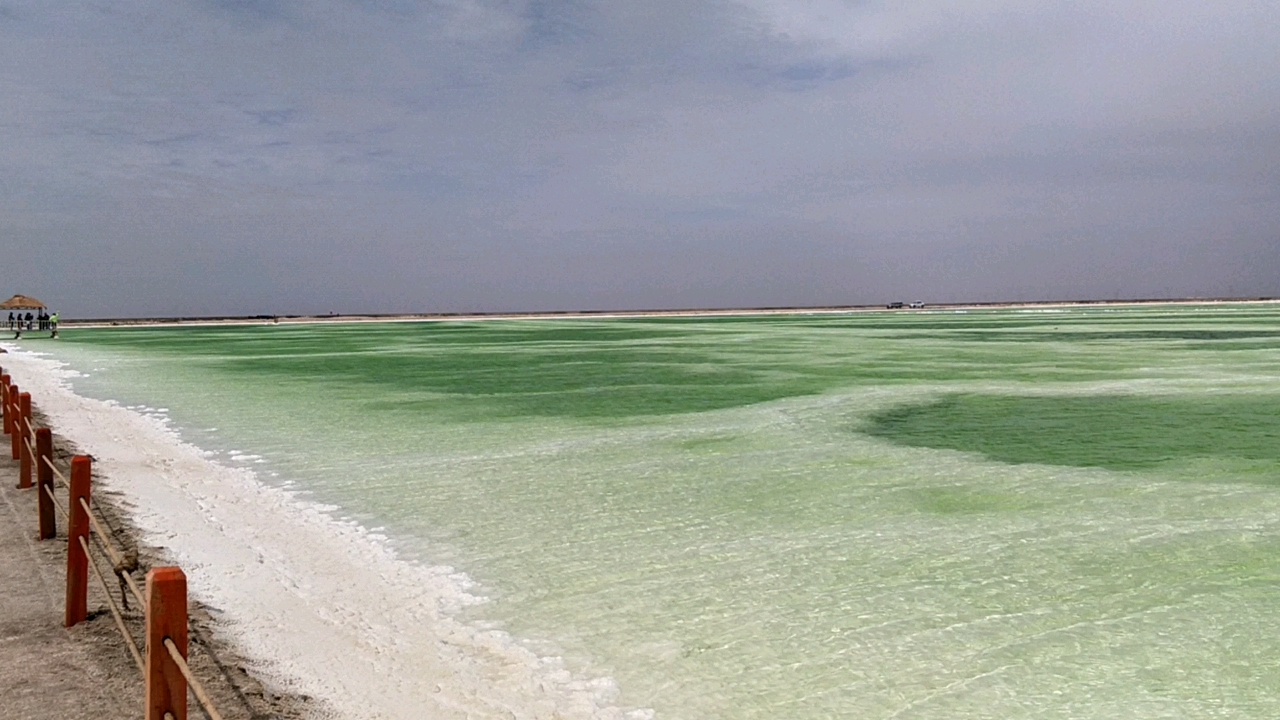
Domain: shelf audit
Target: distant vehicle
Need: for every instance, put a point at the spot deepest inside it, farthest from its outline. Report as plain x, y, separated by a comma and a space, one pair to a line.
895, 305
916, 305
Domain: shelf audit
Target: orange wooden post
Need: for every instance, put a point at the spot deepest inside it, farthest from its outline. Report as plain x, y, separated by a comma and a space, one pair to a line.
77, 563
24, 450
4, 400
166, 689
9, 400
44, 483
13, 421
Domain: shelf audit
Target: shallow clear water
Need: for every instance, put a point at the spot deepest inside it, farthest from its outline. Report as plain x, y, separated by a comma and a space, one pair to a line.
998, 514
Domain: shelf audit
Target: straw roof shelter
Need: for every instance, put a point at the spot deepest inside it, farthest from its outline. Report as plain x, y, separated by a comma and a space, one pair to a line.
21, 302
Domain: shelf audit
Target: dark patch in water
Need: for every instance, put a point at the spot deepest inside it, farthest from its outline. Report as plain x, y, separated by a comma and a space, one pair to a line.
1118, 432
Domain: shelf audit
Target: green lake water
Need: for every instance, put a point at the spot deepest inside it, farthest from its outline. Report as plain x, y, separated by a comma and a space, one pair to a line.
986, 514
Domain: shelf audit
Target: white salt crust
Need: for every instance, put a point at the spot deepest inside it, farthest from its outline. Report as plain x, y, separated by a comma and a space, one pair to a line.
319, 605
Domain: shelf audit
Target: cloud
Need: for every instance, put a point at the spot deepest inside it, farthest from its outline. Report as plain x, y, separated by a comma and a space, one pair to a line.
260, 9
827, 147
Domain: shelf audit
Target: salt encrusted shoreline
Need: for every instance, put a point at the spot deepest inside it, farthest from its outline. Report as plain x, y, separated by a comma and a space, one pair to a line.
86, 671
315, 605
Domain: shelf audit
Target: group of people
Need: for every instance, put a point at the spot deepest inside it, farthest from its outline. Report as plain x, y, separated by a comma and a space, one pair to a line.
40, 321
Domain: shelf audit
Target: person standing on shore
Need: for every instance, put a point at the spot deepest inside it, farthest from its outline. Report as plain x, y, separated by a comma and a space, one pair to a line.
53, 326
10, 319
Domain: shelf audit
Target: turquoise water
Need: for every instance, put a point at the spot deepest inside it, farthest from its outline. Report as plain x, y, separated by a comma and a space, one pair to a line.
1004, 514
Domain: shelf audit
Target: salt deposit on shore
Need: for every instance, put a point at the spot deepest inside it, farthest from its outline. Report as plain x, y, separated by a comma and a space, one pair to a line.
320, 606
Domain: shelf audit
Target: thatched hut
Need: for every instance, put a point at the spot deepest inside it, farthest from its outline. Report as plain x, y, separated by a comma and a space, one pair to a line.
18, 323
22, 302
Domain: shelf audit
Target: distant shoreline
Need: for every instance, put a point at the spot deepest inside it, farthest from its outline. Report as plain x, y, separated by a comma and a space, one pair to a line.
691, 312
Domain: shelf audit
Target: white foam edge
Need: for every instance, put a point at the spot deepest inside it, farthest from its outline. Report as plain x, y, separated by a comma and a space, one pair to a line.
319, 606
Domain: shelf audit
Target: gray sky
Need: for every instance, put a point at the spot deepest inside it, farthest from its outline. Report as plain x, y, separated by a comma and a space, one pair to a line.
190, 157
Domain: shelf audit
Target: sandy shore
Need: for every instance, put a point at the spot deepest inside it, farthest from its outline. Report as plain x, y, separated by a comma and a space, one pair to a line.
86, 671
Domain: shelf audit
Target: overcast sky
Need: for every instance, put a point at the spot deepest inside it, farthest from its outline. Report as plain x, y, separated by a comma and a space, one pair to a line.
203, 157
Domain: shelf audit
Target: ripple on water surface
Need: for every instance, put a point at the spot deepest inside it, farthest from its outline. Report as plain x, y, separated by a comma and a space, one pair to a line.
923, 515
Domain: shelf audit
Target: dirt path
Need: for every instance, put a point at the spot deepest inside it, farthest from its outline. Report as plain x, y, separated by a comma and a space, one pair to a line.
47, 671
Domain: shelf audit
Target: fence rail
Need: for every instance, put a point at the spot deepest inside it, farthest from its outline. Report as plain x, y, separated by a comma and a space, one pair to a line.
163, 659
